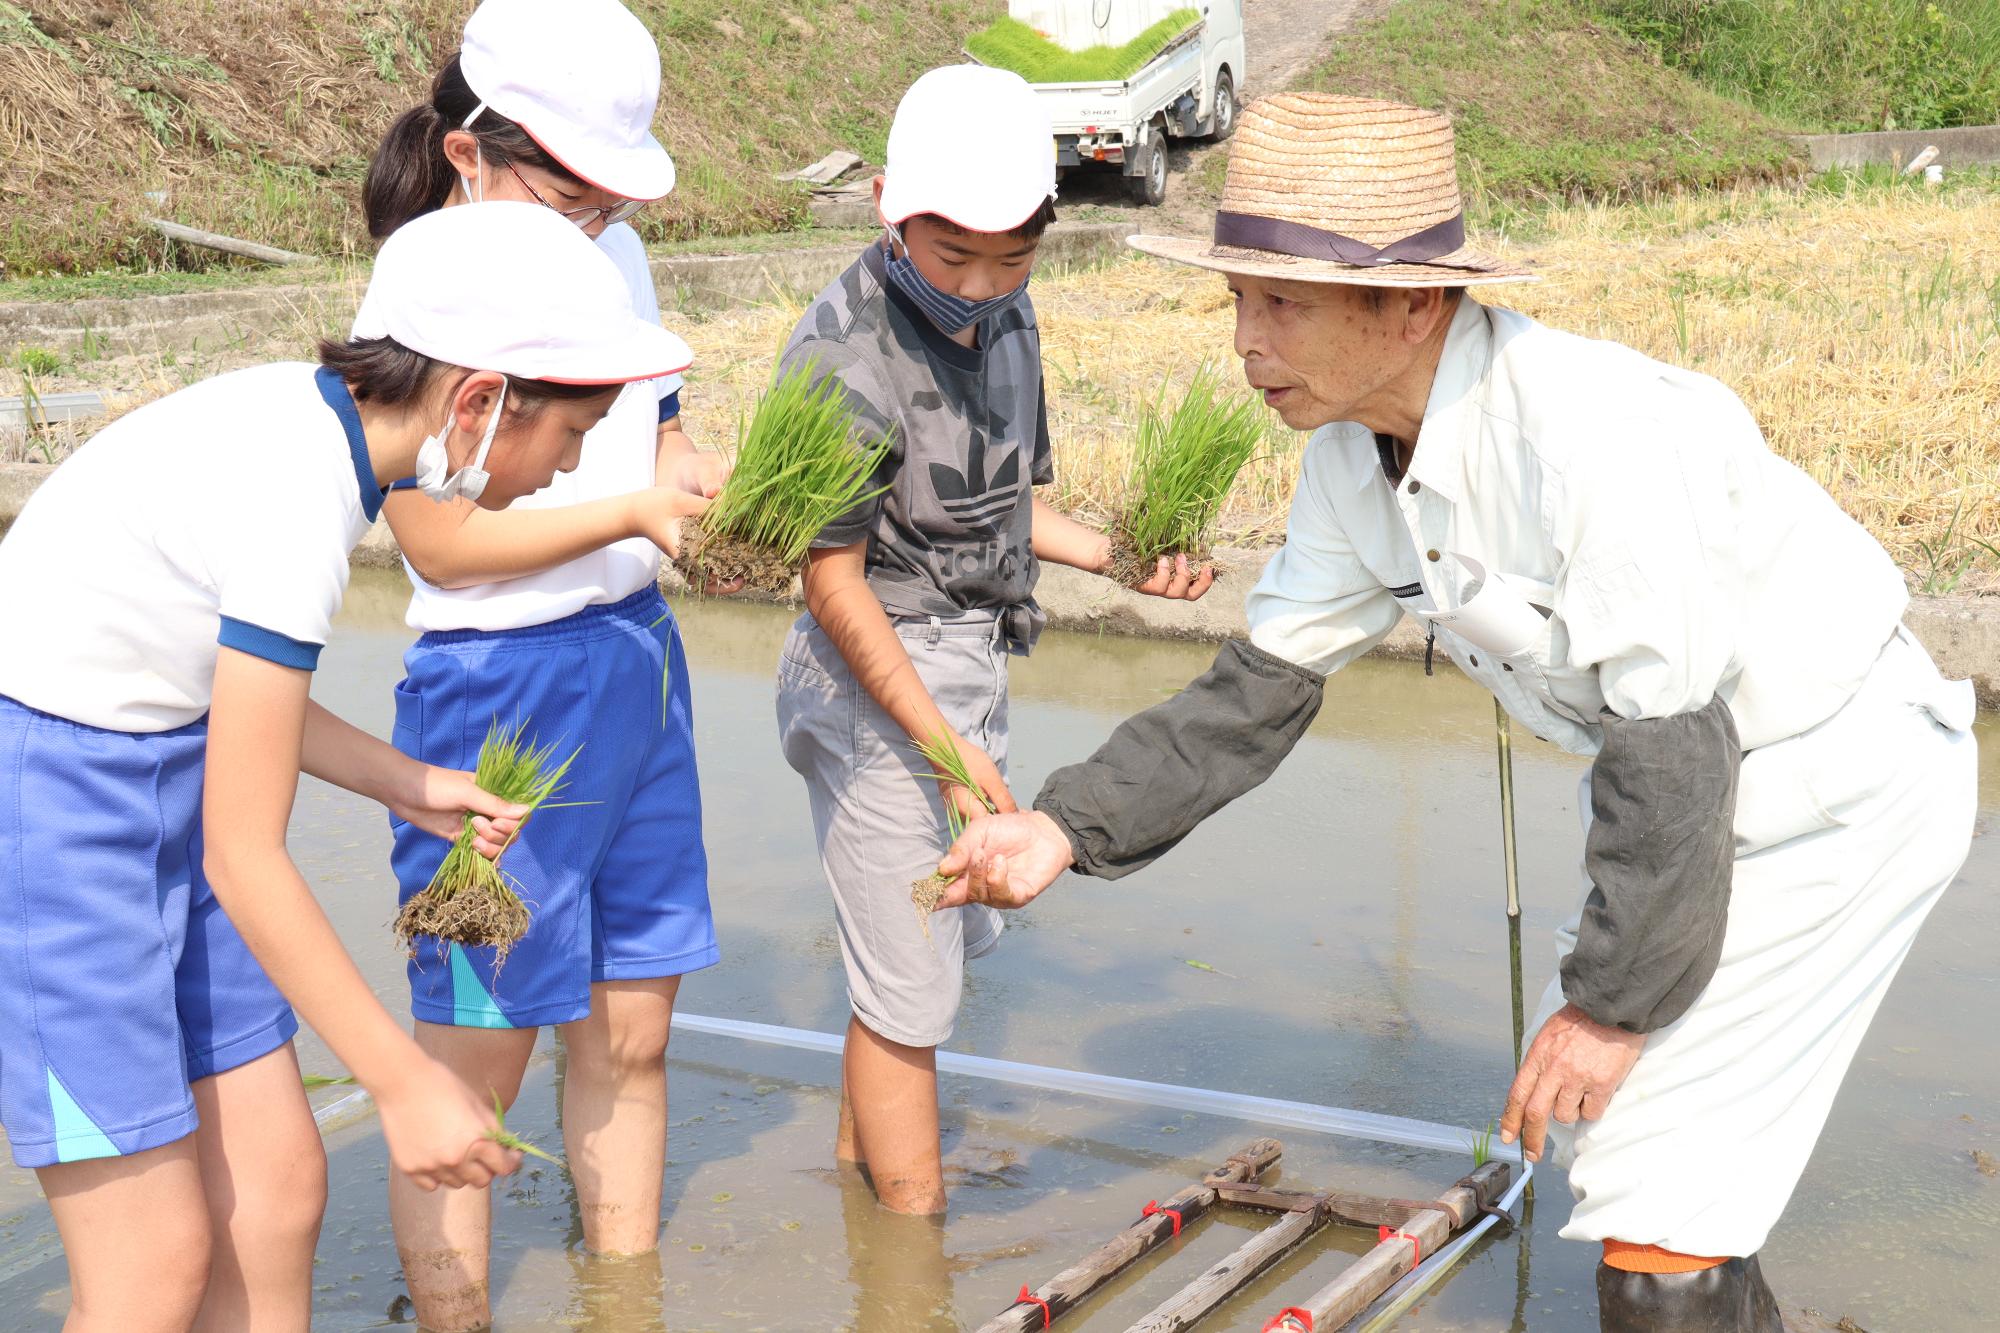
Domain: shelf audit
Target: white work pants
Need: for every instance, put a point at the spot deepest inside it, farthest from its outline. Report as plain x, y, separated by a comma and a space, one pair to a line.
1845, 837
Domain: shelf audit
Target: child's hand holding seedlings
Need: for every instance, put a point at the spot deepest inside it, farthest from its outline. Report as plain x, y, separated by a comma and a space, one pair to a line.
1175, 579
657, 514
438, 1130
437, 801
978, 766
694, 471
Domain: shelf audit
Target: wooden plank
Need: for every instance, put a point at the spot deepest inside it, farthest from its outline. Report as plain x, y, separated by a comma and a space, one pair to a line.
1069, 1288
1225, 1279
229, 245
1357, 1286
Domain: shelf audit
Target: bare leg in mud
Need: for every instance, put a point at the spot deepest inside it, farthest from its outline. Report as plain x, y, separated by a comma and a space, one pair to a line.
890, 1090
614, 1112
444, 1237
214, 1231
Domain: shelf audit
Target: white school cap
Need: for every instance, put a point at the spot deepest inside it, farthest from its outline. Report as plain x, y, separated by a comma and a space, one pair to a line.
582, 77
513, 288
970, 144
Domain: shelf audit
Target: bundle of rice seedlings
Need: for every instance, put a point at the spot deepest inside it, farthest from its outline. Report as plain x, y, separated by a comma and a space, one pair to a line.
799, 466
947, 765
1013, 45
469, 900
1182, 468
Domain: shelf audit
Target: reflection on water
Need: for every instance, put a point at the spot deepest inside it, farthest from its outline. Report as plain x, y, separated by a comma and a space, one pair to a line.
1338, 936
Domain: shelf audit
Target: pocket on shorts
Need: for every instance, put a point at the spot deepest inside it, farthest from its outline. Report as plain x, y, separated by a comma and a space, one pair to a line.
799, 660
408, 733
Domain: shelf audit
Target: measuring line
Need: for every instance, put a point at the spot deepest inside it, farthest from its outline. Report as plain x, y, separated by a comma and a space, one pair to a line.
1205, 1101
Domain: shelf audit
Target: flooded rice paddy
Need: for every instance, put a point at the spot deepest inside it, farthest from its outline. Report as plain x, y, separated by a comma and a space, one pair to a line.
1336, 937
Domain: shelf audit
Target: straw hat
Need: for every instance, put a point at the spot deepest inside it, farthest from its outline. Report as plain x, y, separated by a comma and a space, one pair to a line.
1325, 188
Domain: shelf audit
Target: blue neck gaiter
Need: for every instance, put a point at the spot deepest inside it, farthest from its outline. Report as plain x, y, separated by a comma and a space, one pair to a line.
953, 314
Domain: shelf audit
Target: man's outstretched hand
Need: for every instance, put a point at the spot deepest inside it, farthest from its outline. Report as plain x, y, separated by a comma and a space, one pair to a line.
1004, 860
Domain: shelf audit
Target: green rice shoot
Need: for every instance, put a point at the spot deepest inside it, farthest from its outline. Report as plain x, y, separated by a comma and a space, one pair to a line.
800, 464
941, 752
507, 1138
1013, 45
1182, 468
469, 901
328, 1080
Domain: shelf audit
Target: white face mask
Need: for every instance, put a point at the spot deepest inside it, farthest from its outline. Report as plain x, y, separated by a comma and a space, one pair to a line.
434, 475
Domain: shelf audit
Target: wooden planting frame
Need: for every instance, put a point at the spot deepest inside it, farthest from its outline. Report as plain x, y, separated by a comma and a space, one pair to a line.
1408, 1229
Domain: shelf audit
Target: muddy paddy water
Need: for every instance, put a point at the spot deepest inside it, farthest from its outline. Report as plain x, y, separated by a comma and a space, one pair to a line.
1337, 937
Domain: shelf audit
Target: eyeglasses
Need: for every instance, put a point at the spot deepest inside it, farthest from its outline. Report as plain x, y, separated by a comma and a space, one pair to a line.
583, 217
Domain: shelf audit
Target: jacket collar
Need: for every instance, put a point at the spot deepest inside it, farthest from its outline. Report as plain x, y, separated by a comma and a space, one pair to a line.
1452, 412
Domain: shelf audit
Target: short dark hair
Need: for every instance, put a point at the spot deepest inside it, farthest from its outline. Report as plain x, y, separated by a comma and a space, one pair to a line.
409, 175
1031, 230
382, 370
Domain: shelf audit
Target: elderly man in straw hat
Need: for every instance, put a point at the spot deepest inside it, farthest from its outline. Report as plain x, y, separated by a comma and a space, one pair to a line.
1781, 784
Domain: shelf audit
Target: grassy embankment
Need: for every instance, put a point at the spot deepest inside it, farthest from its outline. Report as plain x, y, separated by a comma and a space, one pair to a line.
255, 118
1834, 65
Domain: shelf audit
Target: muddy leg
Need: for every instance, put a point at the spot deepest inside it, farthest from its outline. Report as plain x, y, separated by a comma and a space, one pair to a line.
615, 1111
847, 1143
443, 1237
263, 1172
136, 1233
894, 1092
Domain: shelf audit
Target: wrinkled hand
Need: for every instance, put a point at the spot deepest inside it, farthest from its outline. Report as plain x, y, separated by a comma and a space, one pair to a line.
658, 513
987, 774
697, 473
1571, 1071
1005, 861
1177, 581
437, 800
436, 1129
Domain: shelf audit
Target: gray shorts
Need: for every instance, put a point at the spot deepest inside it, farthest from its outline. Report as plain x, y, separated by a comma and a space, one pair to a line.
881, 821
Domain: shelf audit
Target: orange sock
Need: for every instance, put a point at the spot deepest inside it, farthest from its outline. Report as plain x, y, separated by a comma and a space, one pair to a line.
1632, 1258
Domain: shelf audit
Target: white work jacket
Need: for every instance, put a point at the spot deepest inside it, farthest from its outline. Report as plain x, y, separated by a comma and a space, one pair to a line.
1635, 506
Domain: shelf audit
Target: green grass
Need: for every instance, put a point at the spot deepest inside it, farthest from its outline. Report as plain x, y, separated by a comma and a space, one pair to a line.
1012, 44
1834, 65
507, 1138
1552, 103
1183, 465
799, 465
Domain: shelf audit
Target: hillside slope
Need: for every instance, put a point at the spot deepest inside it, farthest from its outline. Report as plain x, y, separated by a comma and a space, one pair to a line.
256, 117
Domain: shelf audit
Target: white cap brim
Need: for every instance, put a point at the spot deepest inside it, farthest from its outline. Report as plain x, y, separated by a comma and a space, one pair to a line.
645, 173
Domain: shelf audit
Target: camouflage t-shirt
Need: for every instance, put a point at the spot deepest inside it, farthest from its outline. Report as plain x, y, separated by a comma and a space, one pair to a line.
969, 438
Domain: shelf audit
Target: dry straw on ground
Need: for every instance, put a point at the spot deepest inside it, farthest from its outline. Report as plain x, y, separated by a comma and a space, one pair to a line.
1862, 328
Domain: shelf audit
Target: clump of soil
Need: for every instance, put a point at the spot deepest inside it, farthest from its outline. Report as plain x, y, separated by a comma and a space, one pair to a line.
708, 558
483, 913
1129, 569
926, 893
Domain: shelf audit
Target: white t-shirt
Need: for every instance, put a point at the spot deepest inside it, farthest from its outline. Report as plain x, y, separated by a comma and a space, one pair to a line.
617, 459
223, 514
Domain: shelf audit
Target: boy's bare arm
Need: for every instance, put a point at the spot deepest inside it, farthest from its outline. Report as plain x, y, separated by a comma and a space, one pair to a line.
839, 598
1061, 540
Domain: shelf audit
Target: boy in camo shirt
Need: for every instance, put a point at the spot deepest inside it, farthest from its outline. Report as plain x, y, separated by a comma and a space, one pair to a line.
915, 600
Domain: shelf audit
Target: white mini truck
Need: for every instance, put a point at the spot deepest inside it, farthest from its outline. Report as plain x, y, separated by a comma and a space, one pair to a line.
1187, 91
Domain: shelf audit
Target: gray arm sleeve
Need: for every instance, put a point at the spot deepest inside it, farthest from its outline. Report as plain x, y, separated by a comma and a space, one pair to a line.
1165, 770
1660, 854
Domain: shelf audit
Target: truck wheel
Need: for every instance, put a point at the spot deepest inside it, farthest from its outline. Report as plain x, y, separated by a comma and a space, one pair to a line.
1222, 119
1149, 184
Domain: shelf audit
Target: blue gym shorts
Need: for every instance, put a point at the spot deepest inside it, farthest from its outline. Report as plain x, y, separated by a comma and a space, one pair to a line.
613, 870
121, 981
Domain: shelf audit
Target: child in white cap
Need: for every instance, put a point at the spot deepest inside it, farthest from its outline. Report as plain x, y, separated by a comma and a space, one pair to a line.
552, 610
167, 593
917, 598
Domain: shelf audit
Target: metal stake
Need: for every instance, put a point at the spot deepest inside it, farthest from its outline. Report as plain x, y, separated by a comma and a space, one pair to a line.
1503, 728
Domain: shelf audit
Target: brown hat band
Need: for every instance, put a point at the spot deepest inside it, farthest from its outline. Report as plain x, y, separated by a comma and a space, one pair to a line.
1252, 232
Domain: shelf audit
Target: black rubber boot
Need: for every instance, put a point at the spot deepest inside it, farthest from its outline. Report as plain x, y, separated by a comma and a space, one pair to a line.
1729, 1298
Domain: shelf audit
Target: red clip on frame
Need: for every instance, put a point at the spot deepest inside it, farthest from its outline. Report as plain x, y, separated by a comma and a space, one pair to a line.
1029, 1298
1416, 1246
1291, 1319
1153, 1209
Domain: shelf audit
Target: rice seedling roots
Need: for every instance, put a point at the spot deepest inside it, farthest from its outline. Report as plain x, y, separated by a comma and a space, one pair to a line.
707, 558
473, 917
926, 893
1129, 570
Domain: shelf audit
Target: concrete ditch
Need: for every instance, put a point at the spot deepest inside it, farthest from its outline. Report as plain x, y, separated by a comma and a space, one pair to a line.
1962, 633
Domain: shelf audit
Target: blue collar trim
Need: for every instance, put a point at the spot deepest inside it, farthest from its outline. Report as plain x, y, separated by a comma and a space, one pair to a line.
334, 390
